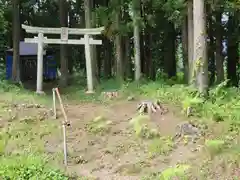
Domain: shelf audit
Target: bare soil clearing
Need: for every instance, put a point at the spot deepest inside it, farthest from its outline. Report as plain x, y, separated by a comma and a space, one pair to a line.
118, 154
113, 153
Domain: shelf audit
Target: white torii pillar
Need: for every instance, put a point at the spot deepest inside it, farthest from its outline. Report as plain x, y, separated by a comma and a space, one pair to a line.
40, 64
88, 65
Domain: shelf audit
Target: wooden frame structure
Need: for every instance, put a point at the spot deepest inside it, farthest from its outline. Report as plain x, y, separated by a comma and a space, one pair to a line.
64, 32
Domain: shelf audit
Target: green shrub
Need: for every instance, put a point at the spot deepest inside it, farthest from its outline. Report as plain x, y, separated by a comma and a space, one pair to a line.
28, 168
214, 147
143, 127
175, 172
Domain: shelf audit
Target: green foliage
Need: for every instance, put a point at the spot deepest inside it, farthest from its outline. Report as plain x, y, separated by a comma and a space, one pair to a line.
6, 86
222, 102
142, 126
99, 125
28, 167
160, 146
214, 147
176, 172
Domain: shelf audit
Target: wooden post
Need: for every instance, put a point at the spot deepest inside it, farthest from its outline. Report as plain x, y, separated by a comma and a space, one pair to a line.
88, 64
40, 64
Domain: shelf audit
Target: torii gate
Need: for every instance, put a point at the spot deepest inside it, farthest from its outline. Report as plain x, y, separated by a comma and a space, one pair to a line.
64, 32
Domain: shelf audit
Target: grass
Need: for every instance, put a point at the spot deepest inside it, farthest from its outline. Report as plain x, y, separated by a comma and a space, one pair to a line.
143, 127
160, 146
99, 125
214, 147
28, 167
27, 136
22, 138
175, 172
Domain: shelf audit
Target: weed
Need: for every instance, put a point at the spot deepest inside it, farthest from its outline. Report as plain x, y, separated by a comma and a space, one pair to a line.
3, 142
176, 172
129, 169
99, 125
214, 147
193, 104
142, 126
160, 146
28, 167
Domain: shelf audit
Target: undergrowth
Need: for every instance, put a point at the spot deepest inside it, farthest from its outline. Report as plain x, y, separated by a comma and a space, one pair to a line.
160, 146
28, 167
99, 125
222, 102
175, 172
143, 127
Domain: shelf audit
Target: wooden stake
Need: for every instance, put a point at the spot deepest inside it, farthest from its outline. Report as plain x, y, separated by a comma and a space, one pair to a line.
62, 108
64, 144
64, 123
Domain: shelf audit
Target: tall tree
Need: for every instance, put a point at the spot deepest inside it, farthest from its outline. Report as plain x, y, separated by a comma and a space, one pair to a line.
108, 49
95, 57
148, 31
126, 44
190, 40
16, 40
63, 8
136, 34
200, 46
210, 45
219, 47
232, 48
118, 42
185, 48
170, 50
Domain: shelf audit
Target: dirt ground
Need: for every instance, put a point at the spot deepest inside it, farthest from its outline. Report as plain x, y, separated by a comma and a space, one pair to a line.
119, 154
112, 151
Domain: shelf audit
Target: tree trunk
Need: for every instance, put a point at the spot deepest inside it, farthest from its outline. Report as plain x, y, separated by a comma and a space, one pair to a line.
108, 53
127, 58
148, 9
136, 34
185, 49
152, 68
170, 50
219, 48
148, 54
232, 50
107, 63
142, 53
72, 24
95, 57
200, 46
118, 45
142, 42
16, 41
190, 41
63, 48
211, 56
